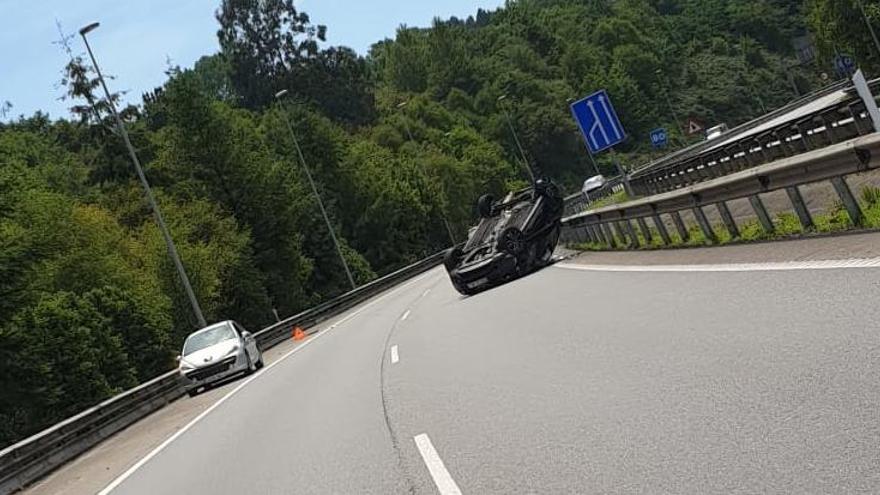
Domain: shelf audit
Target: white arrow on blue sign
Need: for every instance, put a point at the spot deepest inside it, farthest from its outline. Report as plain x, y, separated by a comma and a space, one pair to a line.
598, 122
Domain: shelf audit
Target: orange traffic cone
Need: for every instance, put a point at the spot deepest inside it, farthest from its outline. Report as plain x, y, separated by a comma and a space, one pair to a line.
298, 334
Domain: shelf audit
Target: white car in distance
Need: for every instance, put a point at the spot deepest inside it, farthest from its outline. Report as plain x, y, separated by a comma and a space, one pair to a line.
217, 352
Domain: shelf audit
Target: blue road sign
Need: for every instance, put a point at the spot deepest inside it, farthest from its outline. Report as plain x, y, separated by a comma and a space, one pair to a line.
598, 122
844, 65
659, 138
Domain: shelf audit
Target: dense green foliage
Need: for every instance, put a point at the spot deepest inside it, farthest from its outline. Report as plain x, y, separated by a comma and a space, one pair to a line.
398, 141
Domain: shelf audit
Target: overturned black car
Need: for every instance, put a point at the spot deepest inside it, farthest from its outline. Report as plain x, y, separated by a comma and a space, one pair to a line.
514, 236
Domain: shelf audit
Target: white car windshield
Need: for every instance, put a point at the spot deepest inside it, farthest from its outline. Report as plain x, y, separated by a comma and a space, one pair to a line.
208, 337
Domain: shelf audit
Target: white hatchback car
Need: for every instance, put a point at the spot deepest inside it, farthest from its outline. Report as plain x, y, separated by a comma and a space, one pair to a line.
217, 352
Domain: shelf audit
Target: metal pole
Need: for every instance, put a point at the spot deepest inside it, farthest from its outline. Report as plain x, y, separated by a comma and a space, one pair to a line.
172, 249
669, 102
318, 198
870, 27
425, 174
593, 161
522, 153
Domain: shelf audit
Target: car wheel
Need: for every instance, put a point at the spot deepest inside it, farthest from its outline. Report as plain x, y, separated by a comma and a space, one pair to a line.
192, 393
550, 246
484, 205
512, 241
260, 363
452, 258
251, 367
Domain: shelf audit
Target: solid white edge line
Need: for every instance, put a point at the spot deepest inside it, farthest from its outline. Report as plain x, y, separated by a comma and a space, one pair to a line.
405, 316
395, 357
731, 267
445, 484
121, 478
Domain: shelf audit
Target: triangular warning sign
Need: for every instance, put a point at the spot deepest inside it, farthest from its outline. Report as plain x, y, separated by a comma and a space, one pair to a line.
693, 127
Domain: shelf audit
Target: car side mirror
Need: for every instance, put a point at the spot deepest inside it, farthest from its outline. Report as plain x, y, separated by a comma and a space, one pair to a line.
246, 335
178, 358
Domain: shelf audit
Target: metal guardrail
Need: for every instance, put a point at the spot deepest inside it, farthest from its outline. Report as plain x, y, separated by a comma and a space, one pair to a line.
28, 460
614, 224
579, 202
744, 127
837, 123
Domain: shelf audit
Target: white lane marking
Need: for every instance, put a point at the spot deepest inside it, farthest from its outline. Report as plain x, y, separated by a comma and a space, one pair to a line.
445, 484
116, 482
427, 291
394, 356
405, 316
732, 267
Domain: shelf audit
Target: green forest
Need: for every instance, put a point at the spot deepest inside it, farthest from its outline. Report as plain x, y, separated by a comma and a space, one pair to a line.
398, 140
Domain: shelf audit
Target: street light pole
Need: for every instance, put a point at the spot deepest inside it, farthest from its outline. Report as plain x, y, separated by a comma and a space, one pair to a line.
169, 242
305, 167
400, 106
409, 134
522, 153
870, 27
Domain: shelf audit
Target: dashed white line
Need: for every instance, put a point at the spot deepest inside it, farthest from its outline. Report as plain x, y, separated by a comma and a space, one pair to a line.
427, 291
732, 267
118, 481
405, 316
445, 484
395, 357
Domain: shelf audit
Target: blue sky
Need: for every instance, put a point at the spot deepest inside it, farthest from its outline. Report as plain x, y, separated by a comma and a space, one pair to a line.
135, 38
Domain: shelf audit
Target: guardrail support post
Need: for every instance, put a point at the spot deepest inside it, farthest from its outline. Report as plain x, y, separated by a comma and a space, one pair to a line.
762, 214
848, 200
597, 231
593, 236
585, 231
800, 207
661, 229
646, 232
705, 226
633, 236
621, 234
729, 222
680, 226
608, 235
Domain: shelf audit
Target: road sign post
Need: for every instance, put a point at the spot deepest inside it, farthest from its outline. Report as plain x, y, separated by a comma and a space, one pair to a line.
599, 124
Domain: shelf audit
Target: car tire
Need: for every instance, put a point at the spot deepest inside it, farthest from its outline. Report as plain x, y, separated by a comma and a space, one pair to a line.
452, 258
260, 363
192, 393
550, 245
484, 205
251, 367
511, 241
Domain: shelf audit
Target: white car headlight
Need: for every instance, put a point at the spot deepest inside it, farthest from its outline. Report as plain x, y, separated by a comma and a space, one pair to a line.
186, 365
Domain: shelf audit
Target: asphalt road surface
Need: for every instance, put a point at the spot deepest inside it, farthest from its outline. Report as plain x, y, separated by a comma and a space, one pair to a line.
566, 381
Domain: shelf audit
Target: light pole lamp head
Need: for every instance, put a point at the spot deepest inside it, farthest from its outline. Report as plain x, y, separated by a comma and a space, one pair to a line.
502, 97
91, 27
280, 94
402, 104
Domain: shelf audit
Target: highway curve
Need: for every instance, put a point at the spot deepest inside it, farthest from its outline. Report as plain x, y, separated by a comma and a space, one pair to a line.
566, 381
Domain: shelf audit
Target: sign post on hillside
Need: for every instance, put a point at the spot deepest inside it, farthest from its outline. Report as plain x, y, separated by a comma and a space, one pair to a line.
600, 126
